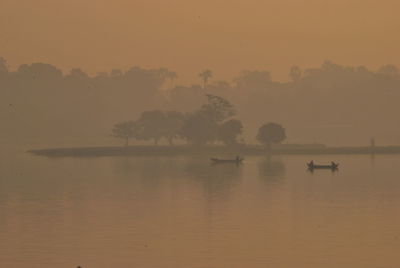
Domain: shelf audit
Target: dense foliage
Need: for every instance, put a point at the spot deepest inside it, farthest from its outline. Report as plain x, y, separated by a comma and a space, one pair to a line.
332, 104
271, 133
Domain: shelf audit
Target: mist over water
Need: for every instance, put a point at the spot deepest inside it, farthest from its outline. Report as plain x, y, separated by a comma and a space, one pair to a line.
123, 105
184, 212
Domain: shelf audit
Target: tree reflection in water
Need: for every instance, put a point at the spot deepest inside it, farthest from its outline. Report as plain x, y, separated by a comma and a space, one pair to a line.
216, 179
271, 169
152, 171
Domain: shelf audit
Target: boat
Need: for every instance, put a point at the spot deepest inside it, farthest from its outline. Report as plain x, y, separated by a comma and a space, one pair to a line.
237, 160
332, 166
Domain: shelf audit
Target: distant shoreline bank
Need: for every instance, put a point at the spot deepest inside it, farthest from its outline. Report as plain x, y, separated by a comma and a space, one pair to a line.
210, 150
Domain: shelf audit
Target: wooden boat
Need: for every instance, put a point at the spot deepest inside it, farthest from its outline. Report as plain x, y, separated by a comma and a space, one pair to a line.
332, 166
220, 161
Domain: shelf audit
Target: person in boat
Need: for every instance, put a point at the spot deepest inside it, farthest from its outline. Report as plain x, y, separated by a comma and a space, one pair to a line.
237, 158
312, 163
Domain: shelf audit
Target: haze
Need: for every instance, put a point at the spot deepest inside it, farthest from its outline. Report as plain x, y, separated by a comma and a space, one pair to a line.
214, 133
187, 36
74, 69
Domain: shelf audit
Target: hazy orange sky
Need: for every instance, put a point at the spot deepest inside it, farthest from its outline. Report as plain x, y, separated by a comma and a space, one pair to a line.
188, 36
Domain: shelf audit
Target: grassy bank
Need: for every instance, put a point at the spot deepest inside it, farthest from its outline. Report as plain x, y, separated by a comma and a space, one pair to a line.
210, 150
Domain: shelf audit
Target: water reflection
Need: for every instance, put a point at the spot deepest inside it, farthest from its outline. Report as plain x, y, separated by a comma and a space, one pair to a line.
148, 167
331, 170
156, 171
271, 169
216, 179
184, 212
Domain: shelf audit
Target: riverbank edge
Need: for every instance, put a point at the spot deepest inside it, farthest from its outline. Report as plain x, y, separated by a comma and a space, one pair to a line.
208, 150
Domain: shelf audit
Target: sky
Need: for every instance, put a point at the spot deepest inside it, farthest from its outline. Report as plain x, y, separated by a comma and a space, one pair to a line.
188, 36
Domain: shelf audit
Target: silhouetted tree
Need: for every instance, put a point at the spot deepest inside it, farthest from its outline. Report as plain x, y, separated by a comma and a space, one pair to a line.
389, 69
271, 133
172, 76
217, 108
185, 98
40, 72
149, 81
172, 126
253, 80
324, 95
125, 131
295, 73
198, 129
77, 73
205, 76
153, 125
229, 131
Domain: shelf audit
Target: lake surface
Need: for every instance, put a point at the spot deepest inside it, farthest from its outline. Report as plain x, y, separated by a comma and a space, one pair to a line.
178, 212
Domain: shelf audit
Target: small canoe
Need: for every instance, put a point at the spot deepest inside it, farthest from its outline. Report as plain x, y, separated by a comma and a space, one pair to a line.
332, 166
220, 161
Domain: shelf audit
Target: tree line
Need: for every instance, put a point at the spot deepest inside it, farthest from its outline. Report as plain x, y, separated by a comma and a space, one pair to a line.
211, 123
331, 103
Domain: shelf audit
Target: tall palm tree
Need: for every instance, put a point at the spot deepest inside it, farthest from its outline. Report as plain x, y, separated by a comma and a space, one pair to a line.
205, 75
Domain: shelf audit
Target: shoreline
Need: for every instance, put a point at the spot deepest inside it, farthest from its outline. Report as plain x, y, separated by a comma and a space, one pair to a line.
136, 150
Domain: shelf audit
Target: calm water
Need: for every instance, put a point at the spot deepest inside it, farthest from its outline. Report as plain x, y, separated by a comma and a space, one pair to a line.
177, 212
